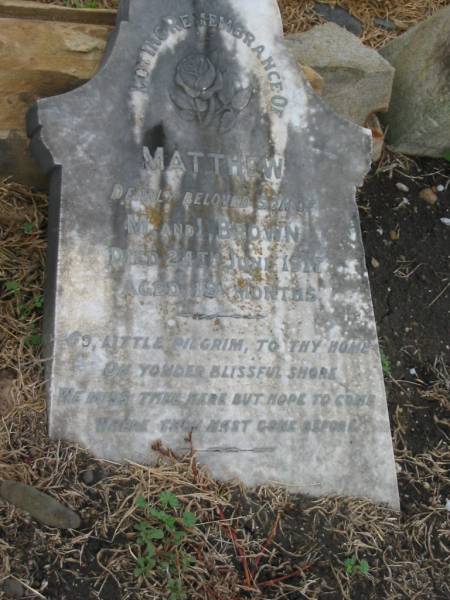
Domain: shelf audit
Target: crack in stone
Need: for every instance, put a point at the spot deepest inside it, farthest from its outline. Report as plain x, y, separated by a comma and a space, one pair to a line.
232, 450
203, 317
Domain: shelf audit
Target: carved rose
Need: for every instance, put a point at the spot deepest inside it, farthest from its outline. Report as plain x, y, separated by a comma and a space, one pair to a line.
198, 77
200, 95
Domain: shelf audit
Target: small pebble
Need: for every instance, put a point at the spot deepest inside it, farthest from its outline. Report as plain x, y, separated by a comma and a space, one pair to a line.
385, 24
429, 196
440, 188
88, 476
404, 202
117, 192
445, 221
402, 187
375, 263
13, 588
92, 475
447, 505
340, 16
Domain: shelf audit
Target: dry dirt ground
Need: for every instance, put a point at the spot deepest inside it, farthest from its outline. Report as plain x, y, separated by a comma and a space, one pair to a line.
262, 544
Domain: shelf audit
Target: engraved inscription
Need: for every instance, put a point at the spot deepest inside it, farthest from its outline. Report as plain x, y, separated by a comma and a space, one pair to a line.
174, 25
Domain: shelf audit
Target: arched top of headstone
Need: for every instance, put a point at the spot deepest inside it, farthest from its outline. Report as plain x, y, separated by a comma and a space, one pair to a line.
175, 64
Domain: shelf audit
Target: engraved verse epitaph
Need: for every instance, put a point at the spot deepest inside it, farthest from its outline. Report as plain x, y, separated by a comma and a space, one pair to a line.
206, 271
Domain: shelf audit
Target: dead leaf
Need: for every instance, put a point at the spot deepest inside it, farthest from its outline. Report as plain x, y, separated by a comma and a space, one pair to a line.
394, 235
429, 196
317, 81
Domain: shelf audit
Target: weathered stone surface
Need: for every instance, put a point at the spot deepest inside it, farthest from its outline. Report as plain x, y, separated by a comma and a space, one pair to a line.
207, 275
340, 16
40, 506
419, 113
358, 81
39, 59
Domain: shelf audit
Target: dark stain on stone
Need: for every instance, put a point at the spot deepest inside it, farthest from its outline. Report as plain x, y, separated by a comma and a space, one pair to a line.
155, 138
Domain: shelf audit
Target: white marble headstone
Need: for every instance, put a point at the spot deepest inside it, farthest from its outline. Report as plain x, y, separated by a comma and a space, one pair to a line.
206, 270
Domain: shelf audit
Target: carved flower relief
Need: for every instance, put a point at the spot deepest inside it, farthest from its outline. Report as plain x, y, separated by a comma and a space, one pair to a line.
198, 77
199, 94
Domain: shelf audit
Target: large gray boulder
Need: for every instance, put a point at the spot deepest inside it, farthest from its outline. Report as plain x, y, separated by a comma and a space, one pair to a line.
419, 114
358, 81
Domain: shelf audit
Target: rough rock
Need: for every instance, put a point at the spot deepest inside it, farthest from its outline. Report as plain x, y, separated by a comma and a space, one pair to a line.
419, 113
338, 15
40, 506
358, 81
39, 59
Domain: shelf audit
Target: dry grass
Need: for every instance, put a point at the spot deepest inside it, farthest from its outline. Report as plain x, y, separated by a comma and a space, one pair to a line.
262, 544
299, 15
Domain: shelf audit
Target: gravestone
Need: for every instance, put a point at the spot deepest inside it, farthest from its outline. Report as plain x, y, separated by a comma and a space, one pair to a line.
207, 282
